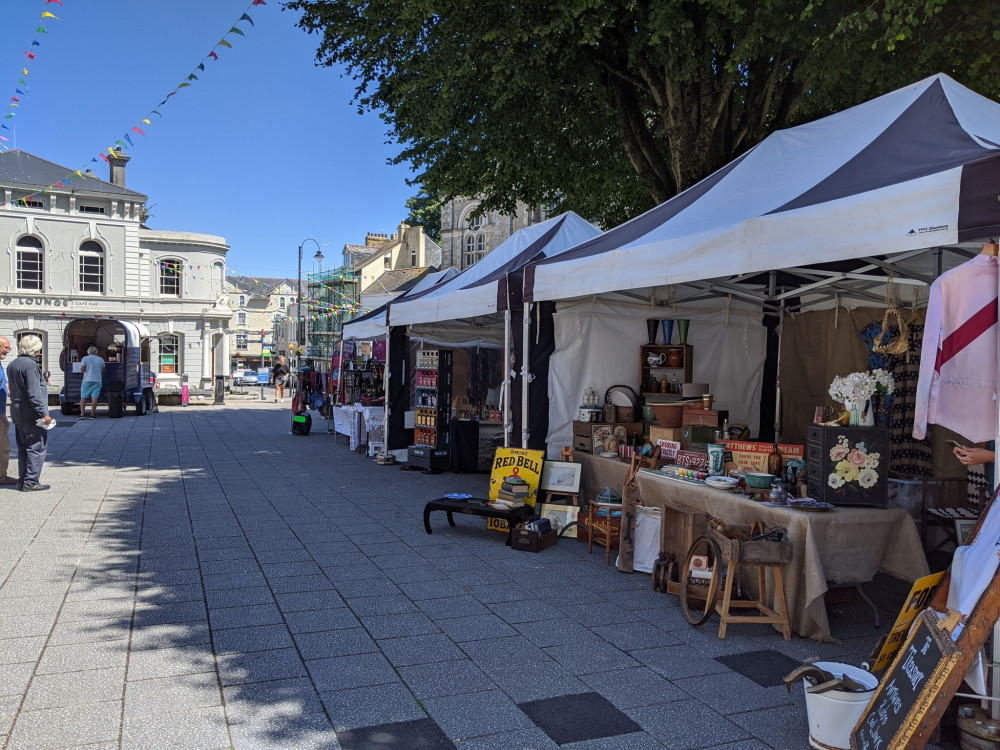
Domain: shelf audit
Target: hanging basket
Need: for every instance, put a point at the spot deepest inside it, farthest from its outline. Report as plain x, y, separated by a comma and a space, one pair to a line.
899, 346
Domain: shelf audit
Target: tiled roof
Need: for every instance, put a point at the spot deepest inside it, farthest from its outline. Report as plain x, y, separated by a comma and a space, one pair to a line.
399, 280
19, 168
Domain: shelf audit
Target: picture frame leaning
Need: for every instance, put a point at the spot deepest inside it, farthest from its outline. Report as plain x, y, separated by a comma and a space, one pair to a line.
963, 529
561, 477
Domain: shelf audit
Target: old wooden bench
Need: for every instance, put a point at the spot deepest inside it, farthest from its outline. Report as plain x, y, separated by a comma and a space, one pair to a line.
478, 507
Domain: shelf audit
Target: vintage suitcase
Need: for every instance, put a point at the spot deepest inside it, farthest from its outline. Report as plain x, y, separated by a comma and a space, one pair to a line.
705, 417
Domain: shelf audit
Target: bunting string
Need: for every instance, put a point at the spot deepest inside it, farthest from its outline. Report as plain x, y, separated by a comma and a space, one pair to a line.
127, 141
21, 89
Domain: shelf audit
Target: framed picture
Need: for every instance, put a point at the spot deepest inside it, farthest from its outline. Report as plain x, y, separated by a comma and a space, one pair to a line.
560, 515
963, 529
560, 476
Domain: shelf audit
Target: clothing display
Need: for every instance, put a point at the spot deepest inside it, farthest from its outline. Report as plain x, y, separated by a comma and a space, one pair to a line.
958, 375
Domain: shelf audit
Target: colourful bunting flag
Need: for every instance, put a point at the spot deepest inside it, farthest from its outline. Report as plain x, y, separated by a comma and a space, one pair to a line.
246, 17
213, 55
224, 43
139, 131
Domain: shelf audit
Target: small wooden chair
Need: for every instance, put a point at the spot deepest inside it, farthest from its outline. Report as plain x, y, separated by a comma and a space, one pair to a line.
604, 530
563, 498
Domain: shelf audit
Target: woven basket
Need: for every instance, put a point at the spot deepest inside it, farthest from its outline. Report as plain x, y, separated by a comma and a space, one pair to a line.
624, 413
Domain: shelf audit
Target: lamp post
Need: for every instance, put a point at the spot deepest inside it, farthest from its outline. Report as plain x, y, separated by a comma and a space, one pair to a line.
300, 328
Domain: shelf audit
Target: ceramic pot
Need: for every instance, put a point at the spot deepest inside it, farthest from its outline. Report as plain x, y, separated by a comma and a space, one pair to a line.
675, 357
862, 413
668, 330
682, 330
655, 360
651, 326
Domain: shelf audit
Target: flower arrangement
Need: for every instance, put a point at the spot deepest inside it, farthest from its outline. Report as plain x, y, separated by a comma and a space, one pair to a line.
855, 467
858, 387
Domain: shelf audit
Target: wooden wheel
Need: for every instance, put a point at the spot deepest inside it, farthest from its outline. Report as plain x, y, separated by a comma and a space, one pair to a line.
697, 602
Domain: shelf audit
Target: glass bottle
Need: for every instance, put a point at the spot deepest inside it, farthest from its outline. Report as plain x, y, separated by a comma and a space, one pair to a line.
775, 462
675, 387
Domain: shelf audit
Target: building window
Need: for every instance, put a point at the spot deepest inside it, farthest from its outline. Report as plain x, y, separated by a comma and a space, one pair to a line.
242, 339
170, 353
281, 302
40, 357
83, 209
32, 202
243, 301
241, 318
387, 261
170, 278
413, 258
91, 267
475, 249
475, 223
29, 264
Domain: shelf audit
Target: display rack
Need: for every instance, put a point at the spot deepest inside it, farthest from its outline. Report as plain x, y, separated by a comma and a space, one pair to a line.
362, 384
431, 447
647, 372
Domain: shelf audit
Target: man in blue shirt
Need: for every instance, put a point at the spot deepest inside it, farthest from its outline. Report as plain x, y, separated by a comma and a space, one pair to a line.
4, 424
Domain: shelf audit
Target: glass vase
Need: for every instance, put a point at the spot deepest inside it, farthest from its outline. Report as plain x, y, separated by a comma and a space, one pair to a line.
668, 330
862, 413
682, 330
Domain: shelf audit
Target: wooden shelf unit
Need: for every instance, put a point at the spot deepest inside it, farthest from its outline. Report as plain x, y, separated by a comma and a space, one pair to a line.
683, 371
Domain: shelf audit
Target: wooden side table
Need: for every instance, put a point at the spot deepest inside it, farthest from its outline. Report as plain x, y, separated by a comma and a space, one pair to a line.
604, 530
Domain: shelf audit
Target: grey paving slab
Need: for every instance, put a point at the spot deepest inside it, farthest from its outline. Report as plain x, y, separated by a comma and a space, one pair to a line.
14, 678
420, 649
168, 694
475, 628
320, 620
686, 724
335, 643
371, 706
72, 688
358, 670
445, 678
252, 638
80, 656
196, 729
635, 687
65, 727
477, 714
21, 650
244, 617
591, 657
303, 601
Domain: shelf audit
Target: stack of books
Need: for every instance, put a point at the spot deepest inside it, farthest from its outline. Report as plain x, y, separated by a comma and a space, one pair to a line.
513, 492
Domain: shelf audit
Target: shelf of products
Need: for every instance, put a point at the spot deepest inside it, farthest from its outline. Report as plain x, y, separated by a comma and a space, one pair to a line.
664, 365
432, 418
362, 383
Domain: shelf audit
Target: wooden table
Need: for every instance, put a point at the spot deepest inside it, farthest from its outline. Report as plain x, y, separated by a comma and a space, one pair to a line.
478, 507
842, 546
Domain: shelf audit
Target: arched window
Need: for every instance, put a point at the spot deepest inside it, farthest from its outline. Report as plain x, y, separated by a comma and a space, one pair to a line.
243, 300
170, 277
170, 354
281, 302
29, 264
475, 249
40, 357
91, 267
476, 223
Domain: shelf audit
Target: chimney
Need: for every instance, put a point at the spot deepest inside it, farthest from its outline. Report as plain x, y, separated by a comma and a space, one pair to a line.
118, 162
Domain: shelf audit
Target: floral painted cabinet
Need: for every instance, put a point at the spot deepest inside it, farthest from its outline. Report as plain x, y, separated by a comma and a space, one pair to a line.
848, 465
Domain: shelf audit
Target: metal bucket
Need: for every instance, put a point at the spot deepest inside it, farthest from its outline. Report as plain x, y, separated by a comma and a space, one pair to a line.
833, 714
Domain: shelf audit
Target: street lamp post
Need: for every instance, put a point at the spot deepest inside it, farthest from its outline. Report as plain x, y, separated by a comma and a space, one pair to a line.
300, 329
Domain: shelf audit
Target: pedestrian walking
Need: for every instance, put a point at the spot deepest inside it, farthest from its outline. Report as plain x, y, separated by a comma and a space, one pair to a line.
4, 423
29, 410
92, 367
279, 376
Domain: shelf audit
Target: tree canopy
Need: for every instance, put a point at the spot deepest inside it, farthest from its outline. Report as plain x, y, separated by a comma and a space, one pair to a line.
609, 107
425, 210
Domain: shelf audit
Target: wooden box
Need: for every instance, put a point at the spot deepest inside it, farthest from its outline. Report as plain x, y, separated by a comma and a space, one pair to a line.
842, 467
529, 540
752, 551
665, 433
705, 417
589, 437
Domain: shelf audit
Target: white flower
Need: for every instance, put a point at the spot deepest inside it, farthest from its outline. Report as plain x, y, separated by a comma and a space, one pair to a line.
867, 478
860, 386
871, 461
883, 380
836, 481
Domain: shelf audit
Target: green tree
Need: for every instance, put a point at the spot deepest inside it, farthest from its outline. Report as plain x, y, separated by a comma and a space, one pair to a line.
612, 106
425, 210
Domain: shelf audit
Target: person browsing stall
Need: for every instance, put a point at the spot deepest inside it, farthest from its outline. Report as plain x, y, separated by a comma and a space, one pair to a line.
29, 410
92, 367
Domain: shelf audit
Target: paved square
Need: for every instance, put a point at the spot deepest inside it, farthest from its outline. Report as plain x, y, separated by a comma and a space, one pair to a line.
201, 578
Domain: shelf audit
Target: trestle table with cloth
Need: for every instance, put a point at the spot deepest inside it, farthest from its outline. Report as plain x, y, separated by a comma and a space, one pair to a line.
357, 422
844, 545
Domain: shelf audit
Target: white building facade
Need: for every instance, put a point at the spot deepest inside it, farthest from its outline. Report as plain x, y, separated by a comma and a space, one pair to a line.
81, 251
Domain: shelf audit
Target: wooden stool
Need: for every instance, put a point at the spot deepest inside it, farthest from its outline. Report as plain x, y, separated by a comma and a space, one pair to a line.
763, 555
603, 529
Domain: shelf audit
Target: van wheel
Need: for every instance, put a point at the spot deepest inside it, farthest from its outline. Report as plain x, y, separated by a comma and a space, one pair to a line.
140, 406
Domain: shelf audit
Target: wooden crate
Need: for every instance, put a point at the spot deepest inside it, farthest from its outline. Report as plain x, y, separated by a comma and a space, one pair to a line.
752, 551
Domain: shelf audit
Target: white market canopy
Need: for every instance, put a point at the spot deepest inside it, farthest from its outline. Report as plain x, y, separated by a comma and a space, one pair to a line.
372, 325
914, 169
481, 289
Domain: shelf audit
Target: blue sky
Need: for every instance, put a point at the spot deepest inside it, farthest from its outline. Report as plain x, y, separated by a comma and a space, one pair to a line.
264, 149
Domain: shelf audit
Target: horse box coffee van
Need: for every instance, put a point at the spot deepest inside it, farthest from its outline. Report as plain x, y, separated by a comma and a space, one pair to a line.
124, 347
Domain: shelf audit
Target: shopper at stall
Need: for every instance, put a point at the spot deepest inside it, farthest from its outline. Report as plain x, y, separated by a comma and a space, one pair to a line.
30, 413
4, 424
92, 367
279, 376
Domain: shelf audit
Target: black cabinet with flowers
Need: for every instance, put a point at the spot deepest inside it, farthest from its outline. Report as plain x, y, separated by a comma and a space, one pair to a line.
848, 465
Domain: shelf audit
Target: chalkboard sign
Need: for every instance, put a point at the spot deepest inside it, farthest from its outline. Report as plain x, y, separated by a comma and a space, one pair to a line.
906, 690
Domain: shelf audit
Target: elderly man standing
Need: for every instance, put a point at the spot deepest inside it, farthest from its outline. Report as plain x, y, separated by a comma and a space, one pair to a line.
4, 424
29, 410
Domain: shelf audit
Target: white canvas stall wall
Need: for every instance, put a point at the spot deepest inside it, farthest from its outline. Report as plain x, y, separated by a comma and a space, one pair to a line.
597, 344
